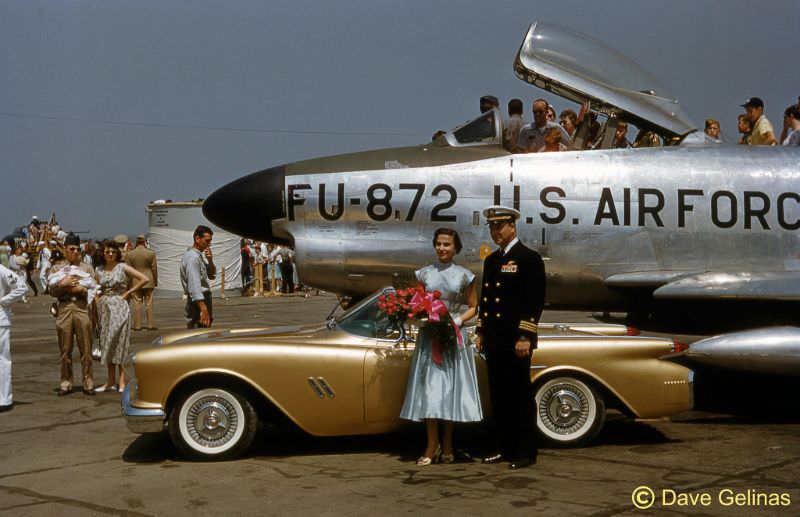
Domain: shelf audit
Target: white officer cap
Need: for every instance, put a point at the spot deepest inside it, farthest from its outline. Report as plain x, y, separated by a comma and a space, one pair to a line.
500, 213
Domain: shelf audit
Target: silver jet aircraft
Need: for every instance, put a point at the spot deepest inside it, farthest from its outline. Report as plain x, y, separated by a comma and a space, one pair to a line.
689, 233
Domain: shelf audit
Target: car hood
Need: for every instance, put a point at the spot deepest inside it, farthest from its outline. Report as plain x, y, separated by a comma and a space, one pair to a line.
242, 334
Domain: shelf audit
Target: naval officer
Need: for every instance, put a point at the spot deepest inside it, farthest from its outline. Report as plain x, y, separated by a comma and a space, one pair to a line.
11, 290
510, 305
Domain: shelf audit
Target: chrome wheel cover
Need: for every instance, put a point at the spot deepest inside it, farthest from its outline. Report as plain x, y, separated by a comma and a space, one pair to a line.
211, 421
566, 409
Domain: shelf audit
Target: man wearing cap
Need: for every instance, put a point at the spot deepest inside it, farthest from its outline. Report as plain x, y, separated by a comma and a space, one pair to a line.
143, 260
73, 284
762, 133
11, 290
488, 102
509, 308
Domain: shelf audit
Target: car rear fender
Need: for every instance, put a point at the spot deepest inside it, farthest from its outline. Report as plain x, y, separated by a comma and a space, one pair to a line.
612, 398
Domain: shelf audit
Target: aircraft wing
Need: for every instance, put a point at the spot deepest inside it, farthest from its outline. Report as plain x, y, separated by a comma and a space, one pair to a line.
582, 69
713, 285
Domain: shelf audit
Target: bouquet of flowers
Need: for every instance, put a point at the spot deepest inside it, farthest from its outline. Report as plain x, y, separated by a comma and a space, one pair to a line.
426, 307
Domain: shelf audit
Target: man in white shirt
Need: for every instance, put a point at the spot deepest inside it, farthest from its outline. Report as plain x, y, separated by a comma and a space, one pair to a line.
197, 267
44, 264
11, 290
531, 136
762, 133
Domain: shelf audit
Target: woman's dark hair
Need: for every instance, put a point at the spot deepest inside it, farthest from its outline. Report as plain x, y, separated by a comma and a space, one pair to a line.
451, 233
110, 245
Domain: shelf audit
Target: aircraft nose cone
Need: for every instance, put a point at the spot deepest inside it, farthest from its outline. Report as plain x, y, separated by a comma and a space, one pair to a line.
248, 205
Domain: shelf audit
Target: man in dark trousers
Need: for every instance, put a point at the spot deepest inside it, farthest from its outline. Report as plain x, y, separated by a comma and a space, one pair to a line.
511, 302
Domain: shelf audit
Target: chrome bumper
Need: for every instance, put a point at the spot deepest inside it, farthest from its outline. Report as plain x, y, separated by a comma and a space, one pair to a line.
140, 420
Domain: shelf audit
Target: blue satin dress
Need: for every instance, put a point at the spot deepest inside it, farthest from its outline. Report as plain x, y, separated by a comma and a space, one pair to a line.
447, 391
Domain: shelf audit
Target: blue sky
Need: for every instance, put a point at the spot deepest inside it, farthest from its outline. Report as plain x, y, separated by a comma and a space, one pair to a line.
106, 105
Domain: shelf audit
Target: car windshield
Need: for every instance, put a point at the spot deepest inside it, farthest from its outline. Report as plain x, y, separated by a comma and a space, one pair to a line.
366, 320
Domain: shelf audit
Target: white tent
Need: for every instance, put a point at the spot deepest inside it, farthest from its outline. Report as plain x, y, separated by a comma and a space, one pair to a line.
171, 229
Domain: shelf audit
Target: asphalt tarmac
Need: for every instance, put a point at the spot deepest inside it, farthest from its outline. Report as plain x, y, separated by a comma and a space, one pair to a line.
74, 456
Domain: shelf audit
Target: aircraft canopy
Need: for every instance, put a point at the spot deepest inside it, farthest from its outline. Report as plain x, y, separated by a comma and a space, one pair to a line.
584, 70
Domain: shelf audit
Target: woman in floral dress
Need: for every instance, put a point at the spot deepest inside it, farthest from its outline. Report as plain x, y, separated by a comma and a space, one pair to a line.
114, 312
443, 384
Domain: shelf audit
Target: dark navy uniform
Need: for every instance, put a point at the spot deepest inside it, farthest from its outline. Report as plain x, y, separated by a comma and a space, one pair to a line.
510, 305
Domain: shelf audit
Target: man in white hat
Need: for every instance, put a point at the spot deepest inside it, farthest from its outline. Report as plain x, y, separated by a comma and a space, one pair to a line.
509, 308
12, 288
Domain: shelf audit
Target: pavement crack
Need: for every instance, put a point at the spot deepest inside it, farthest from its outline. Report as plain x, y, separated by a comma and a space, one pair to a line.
49, 469
71, 502
50, 427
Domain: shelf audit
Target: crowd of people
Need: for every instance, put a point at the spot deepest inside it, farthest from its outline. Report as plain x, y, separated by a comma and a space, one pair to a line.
583, 131
94, 284
755, 129
269, 268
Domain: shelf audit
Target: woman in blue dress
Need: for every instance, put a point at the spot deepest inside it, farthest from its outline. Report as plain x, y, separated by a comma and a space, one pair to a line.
444, 389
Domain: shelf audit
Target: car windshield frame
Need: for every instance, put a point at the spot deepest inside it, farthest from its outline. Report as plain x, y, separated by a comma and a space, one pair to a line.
357, 319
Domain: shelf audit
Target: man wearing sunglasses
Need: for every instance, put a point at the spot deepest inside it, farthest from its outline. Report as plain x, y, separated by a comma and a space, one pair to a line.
73, 284
531, 136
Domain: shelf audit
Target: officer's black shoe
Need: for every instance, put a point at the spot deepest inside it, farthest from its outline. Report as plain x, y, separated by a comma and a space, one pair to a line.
494, 458
6, 407
89, 392
520, 463
61, 391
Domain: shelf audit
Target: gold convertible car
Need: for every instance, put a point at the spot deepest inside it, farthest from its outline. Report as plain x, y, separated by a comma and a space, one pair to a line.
347, 376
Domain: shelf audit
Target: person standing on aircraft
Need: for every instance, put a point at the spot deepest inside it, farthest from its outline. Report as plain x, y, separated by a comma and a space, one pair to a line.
551, 113
510, 305
144, 261
762, 133
197, 268
620, 142
552, 141
743, 126
647, 138
712, 128
11, 290
488, 102
791, 121
513, 125
569, 121
442, 382
531, 136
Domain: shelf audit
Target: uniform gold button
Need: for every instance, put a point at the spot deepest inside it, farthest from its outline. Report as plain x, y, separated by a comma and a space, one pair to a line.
485, 314
486, 284
497, 299
498, 314
485, 299
498, 284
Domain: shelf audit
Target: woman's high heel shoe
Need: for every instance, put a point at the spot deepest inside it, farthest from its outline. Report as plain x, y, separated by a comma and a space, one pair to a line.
424, 461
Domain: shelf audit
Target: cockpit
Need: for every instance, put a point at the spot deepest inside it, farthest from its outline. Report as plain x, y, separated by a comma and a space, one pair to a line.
606, 87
